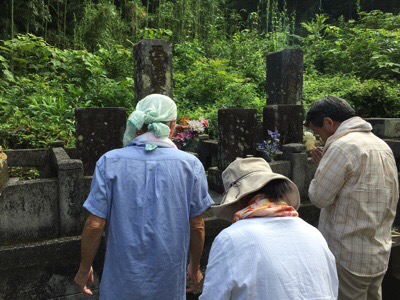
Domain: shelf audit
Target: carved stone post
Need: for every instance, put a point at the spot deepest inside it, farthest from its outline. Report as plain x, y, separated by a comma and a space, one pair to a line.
153, 68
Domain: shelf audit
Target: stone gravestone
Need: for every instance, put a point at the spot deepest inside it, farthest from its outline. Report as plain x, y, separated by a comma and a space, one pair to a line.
153, 68
287, 119
284, 111
236, 139
385, 128
98, 130
236, 128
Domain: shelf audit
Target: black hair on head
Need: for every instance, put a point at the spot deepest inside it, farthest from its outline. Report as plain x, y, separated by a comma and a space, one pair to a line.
330, 107
275, 189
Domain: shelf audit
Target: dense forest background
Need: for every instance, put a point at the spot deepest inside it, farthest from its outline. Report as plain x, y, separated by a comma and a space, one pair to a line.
56, 55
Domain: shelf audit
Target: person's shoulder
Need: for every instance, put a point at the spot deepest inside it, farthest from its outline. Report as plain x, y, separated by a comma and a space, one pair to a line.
307, 230
361, 141
239, 227
117, 152
183, 154
225, 236
177, 154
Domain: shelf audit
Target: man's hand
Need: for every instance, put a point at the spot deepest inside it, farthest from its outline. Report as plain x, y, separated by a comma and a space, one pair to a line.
194, 278
316, 155
81, 278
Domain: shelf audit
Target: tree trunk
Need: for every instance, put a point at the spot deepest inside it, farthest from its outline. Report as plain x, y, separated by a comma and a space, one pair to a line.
12, 19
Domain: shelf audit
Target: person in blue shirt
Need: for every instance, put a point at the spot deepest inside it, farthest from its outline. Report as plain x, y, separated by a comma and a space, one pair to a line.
148, 197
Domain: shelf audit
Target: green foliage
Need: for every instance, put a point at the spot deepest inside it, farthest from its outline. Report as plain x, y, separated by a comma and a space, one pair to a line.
210, 84
219, 61
155, 33
23, 173
358, 61
369, 48
247, 52
100, 27
370, 98
39, 89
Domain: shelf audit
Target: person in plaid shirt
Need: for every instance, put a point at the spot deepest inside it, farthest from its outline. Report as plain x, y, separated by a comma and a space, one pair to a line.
356, 186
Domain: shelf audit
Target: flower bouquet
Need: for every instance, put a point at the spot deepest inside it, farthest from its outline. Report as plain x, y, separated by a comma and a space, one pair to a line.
187, 132
310, 140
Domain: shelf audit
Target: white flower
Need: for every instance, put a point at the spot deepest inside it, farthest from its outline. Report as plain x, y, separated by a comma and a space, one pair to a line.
309, 140
196, 125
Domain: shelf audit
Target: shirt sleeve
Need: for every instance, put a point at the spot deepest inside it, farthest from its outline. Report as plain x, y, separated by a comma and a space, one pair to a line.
99, 197
218, 283
201, 200
332, 173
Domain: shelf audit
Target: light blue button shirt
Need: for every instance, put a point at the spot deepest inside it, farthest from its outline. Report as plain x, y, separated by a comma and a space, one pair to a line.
147, 199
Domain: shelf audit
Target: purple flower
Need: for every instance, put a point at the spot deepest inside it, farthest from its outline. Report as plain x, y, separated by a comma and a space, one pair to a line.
270, 147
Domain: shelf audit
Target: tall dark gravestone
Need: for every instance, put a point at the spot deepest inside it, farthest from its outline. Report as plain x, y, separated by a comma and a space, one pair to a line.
236, 134
98, 130
236, 138
284, 111
153, 68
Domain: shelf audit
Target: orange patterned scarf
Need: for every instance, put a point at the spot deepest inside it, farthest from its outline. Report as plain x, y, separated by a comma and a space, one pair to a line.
260, 206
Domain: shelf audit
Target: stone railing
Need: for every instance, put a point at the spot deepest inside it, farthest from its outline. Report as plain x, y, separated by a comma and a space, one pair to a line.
50, 206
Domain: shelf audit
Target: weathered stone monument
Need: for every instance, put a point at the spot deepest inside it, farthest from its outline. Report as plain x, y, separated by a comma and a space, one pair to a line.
236, 128
98, 130
236, 138
153, 68
284, 110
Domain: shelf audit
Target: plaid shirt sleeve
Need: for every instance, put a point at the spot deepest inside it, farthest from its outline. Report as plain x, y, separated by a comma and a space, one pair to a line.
332, 172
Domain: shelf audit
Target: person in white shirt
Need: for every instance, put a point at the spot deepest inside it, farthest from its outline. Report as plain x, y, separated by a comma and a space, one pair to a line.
268, 252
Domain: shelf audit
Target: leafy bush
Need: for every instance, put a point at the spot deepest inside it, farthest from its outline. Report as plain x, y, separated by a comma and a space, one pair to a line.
39, 89
211, 84
101, 26
369, 48
370, 98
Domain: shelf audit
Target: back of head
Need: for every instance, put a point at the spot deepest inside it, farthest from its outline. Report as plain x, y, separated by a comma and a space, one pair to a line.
157, 107
275, 189
152, 112
331, 107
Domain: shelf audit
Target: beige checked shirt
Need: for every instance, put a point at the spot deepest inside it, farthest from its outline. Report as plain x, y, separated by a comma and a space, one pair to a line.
356, 185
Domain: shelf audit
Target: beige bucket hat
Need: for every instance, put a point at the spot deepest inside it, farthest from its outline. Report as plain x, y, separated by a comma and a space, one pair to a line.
245, 176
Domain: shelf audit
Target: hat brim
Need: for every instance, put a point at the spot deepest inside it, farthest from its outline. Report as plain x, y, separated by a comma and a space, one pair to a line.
256, 181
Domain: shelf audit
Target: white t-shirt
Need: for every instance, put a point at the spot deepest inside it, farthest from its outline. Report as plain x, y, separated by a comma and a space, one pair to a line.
279, 258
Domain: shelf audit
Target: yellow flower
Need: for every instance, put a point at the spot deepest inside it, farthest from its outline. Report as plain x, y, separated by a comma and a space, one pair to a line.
309, 140
3, 156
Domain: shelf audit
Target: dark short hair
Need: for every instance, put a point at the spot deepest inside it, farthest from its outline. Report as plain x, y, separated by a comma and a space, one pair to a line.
330, 107
274, 190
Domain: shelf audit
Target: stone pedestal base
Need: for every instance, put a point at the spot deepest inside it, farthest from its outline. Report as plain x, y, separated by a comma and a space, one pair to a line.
214, 179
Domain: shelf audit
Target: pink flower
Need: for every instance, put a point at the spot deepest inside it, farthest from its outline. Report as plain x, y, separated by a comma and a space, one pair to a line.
189, 129
204, 121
